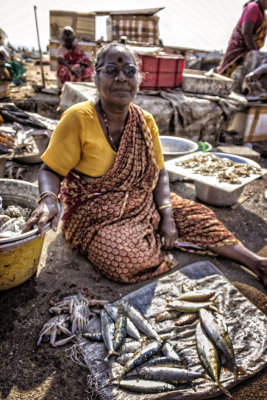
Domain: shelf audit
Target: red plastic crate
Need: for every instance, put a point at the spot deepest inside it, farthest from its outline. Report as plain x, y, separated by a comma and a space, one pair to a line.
164, 71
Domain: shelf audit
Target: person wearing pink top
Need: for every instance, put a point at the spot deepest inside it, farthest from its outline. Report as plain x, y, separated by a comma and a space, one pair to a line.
249, 34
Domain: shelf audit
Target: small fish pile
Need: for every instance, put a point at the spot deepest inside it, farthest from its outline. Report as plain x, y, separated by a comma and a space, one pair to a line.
16, 140
212, 338
223, 169
150, 363
12, 219
71, 316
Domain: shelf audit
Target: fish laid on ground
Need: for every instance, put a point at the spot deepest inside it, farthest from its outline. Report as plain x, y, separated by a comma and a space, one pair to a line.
167, 361
187, 306
186, 319
145, 386
209, 357
217, 330
133, 346
140, 356
124, 358
140, 321
169, 374
108, 331
93, 337
120, 328
131, 328
166, 315
168, 351
196, 295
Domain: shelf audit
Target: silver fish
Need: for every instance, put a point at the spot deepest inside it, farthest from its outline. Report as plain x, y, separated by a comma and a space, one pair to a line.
187, 306
93, 337
124, 358
140, 321
131, 328
216, 330
108, 330
145, 386
168, 374
131, 347
186, 319
142, 355
120, 328
168, 351
167, 361
196, 295
209, 356
166, 315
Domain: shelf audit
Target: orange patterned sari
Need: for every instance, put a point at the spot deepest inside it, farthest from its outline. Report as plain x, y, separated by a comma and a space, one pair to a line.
113, 219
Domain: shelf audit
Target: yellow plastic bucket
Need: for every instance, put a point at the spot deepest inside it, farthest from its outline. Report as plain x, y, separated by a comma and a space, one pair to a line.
19, 255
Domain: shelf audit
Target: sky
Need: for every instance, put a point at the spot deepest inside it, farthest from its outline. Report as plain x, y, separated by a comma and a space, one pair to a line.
198, 24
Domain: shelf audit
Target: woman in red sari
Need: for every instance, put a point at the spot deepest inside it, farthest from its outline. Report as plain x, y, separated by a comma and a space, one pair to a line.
73, 64
105, 162
249, 34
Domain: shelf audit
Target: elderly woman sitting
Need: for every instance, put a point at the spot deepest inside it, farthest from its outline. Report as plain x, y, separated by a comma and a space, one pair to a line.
105, 162
73, 64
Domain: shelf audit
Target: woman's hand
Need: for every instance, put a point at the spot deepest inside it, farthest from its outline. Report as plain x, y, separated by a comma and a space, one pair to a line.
47, 210
168, 231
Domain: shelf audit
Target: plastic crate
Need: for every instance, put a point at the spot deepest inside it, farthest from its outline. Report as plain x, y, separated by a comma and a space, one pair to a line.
164, 71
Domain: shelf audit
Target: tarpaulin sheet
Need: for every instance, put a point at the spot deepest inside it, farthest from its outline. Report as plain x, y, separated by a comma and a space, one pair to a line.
246, 327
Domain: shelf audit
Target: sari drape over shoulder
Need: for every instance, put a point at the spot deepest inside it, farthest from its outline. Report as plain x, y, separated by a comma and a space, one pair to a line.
113, 219
237, 48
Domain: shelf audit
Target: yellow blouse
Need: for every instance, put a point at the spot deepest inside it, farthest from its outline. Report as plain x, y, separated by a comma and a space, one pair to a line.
79, 143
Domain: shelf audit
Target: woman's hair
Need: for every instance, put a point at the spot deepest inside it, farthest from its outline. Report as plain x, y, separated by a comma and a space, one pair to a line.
102, 53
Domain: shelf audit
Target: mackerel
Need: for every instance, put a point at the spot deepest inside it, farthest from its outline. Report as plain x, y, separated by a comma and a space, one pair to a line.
131, 328
217, 331
196, 295
169, 374
140, 321
187, 306
108, 330
94, 337
145, 386
209, 357
120, 328
142, 355
168, 351
186, 319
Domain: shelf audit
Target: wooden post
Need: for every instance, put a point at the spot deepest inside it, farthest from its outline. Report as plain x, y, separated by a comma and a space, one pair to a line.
40, 51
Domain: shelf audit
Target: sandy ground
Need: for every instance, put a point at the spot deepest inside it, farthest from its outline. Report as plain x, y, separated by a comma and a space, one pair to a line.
28, 372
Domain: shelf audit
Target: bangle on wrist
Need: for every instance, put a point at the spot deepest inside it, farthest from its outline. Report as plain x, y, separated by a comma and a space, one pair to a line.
45, 194
165, 206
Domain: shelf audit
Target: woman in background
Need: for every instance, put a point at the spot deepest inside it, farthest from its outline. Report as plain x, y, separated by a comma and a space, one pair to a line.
249, 34
73, 64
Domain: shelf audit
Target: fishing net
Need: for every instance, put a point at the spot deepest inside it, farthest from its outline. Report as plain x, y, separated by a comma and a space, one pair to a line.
246, 327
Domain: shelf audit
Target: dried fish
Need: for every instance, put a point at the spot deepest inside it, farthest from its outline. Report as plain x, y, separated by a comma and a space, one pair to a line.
168, 351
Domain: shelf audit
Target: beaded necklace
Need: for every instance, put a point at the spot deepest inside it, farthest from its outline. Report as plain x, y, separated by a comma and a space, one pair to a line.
113, 145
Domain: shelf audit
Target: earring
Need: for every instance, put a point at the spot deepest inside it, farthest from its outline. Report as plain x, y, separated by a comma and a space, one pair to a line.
116, 79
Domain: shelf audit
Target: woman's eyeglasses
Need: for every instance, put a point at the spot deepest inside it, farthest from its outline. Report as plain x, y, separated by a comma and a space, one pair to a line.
112, 71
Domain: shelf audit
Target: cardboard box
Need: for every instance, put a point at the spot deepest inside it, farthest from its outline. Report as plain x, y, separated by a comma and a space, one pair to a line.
139, 28
251, 123
82, 23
